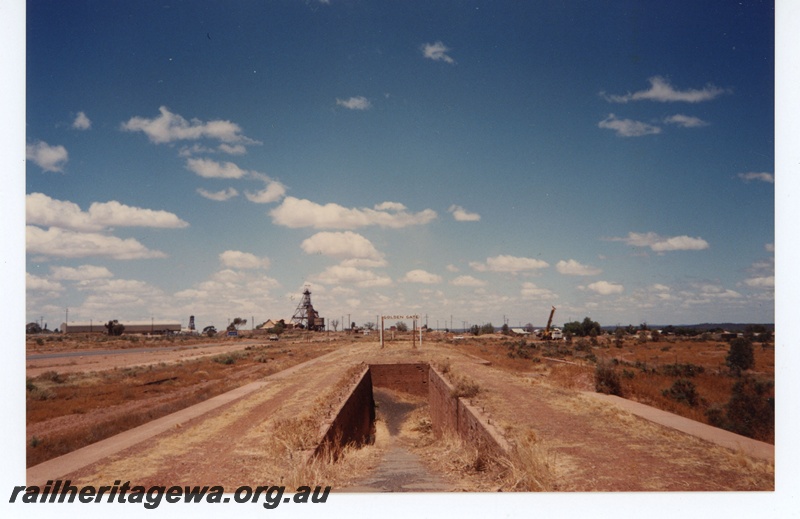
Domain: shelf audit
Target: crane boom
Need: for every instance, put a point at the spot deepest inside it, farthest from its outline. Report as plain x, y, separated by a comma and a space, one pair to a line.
547, 335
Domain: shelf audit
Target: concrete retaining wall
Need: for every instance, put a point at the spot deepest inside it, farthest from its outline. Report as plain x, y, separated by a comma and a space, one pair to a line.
456, 414
355, 420
408, 378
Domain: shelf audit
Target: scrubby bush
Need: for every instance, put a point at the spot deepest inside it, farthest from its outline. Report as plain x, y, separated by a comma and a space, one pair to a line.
750, 411
682, 370
606, 380
684, 391
740, 356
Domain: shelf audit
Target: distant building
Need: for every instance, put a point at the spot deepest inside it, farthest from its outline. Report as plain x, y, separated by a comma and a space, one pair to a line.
144, 327
520, 331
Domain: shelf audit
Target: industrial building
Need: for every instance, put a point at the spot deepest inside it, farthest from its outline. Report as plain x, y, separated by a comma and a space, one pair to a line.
144, 327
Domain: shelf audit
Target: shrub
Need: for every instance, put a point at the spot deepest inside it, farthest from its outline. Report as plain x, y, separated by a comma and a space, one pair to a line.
682, 370
751, 409
606, 380
465, 388
683, 390
740, 356
225, 359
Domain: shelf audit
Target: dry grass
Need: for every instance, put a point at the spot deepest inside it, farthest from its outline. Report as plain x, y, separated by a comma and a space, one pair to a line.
126, 398
293, 441
643, 368
530, 467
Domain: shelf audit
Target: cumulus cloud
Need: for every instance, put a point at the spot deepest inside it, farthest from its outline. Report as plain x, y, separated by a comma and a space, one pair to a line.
219, 196
505, 263
69, 244
170, 127
660, 90
573, 268
208, 168
349, 275
232, 149
606, 288
272, 192
354, 103
343, 245
437, 52
659, 243
530, 291
421, 276
41, 284
82, 273
295, 213
81, 122
628, 127
243, 260
762, 177
704, 293
462, 215
49, 158
685, 121
761, 282
467, 281
40, 209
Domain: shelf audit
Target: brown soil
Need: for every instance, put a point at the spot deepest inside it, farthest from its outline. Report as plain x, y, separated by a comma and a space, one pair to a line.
591, 446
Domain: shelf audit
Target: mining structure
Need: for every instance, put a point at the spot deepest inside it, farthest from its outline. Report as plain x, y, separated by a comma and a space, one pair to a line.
306, 317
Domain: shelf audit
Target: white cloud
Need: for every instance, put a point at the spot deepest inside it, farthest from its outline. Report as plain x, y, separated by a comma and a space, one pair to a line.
452, 268
243, 260
685, 121
573, 268
769, 247
467, 281
354, 103
169, 127
763, 177
437, 52
235, 149
272, 192
628, 127
219, 196
761, 282
82, 273
343, 245
462, 215
115, 214
348, 275
530, 291
295, 213
40, 209
421, 276
606, 288
81, 122
505, 263
708, 292
41, 284
69, 244
208, 168
660, 90
49, 158
663, 244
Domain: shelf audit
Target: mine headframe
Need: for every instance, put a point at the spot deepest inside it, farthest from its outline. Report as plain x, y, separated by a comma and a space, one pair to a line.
305, 316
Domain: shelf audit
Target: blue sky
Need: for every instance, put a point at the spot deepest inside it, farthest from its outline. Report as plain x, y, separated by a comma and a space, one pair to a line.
480, 160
